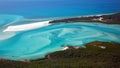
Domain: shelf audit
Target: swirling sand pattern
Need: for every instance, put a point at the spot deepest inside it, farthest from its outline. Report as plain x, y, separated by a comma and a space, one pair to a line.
36, 43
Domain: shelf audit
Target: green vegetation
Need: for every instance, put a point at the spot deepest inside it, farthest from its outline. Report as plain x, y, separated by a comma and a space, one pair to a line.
108, 19
93, 56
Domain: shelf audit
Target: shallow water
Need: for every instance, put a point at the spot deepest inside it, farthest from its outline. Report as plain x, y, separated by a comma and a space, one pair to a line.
36, 43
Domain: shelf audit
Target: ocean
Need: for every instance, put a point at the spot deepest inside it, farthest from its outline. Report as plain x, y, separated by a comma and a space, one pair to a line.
26, 34
58, 8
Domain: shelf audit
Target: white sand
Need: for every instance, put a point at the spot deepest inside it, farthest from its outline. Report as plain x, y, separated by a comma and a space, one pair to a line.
65, 48
6, 35
27, 26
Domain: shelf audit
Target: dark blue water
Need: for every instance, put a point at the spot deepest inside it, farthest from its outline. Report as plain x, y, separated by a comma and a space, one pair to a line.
58, 8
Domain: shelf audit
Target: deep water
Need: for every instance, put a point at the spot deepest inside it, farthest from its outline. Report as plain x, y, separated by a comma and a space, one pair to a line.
58, 8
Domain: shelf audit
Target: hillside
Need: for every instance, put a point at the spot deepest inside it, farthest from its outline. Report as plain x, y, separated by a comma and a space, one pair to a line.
91, 56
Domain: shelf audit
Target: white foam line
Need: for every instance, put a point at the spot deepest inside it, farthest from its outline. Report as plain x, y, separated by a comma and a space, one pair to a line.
27, 26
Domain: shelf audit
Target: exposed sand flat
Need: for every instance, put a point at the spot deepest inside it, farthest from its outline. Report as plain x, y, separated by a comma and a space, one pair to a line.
26, 26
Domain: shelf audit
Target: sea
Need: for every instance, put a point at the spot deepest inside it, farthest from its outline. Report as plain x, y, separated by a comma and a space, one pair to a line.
26, 34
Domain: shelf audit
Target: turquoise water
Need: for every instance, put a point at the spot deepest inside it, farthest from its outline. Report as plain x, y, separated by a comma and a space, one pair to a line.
36, 43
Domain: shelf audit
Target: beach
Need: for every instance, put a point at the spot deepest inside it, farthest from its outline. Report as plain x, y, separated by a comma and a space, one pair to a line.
26, 26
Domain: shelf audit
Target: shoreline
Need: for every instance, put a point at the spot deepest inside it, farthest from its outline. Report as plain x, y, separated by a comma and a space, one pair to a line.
34, 26
99, 44
113, 18
57, 17
84, 18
